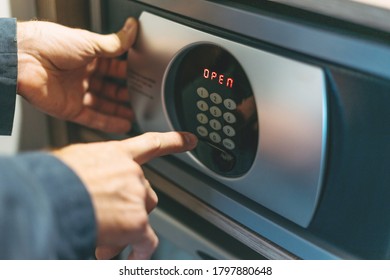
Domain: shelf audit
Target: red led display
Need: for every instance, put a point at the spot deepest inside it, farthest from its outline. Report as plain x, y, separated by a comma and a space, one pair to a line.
218, 77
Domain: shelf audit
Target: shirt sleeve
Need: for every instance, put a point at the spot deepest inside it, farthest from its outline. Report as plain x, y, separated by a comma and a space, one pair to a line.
8, 74
45, 210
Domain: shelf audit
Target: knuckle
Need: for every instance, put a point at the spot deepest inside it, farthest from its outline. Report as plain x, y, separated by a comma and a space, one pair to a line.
141, 223
131, 166
134, 223
151, 244
155, 243
153, 197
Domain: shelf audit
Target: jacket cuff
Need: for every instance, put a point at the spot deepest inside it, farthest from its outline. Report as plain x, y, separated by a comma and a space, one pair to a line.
70, 203
8, 73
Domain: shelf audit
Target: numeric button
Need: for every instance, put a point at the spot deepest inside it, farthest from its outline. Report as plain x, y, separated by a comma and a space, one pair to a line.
216, 125
216, 98
215, 111
202, 131
230, 104
230, 118
202, 92
202, 105
215, 137
229, 131
228, 144
202, 118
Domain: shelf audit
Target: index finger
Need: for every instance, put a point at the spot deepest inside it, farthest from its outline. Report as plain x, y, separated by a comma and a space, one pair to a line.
153, 144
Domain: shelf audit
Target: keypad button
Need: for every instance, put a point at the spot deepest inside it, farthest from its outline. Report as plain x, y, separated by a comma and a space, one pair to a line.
230, 118
230, 104
215, 111
215, 137
216, 98
202, 118
228, 144
202, 105
202, 131
229, 131
215, 124
202, 92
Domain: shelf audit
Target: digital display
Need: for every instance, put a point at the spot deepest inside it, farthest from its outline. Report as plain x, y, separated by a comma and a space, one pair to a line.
218, 77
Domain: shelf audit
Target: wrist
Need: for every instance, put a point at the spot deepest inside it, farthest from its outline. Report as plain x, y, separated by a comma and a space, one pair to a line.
27, 54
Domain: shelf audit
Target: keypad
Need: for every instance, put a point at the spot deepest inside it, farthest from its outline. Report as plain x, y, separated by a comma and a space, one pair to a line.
216, 118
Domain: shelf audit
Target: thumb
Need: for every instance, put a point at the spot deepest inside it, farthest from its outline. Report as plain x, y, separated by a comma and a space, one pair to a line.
115, 44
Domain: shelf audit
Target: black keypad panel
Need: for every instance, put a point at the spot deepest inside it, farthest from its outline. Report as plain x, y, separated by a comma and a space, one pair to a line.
216, 120
208, 94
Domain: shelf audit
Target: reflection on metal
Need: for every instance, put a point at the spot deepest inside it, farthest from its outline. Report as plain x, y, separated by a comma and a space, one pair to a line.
261, 245
366, 12
294, 36
186, 238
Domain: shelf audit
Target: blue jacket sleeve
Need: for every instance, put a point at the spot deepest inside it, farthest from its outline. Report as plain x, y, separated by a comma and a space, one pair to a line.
45, 211
8, 74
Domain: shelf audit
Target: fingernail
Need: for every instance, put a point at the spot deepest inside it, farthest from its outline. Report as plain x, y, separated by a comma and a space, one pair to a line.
191, 139
129, 24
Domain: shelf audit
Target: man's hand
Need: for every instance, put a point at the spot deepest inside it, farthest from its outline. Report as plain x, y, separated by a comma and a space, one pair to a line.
121, 195
71, 73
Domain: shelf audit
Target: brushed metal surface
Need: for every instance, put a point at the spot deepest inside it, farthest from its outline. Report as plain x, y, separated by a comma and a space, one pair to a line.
372, 13
257, 243
341, 48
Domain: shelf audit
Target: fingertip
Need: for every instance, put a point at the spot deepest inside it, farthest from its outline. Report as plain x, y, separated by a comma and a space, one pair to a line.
128, 33
129, 24
190, 139
116, 44
107, 253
